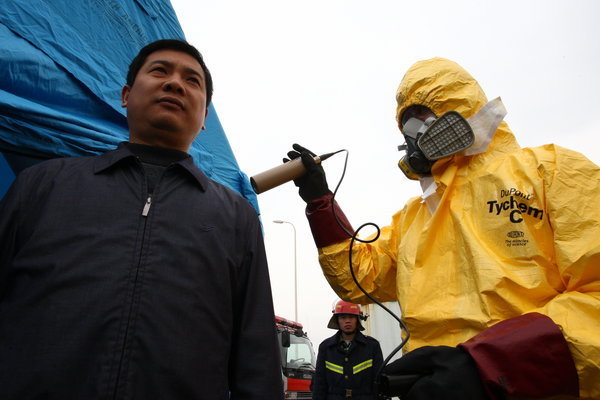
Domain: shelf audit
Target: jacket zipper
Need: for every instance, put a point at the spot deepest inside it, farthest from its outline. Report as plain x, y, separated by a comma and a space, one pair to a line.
145, 212
146, 209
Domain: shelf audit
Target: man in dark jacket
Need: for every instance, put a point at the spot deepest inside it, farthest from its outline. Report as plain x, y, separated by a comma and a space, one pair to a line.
348, 361
131, 275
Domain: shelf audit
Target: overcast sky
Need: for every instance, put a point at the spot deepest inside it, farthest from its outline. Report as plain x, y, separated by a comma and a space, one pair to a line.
323, 73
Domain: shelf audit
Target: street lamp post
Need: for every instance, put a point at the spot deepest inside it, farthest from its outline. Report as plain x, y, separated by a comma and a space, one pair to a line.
278, 221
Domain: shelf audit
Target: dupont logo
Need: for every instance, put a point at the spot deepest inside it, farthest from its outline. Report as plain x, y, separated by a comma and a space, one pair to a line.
515, 234
514, 203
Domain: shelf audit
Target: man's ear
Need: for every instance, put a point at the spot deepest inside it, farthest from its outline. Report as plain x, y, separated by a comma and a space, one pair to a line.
125, 95
205, 115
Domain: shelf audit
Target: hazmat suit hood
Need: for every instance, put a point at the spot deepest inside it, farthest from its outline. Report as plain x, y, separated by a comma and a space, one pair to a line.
443, 85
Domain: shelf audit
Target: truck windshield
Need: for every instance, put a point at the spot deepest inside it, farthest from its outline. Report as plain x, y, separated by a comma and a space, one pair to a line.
299, 355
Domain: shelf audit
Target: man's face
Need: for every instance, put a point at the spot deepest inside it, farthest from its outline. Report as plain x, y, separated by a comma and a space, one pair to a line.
166, 104
347, 323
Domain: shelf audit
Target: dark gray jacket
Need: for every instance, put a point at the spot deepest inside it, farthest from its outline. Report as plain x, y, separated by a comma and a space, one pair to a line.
98, 301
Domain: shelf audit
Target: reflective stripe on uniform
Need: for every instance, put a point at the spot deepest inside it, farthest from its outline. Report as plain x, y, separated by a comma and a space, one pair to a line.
362, 366
333, 367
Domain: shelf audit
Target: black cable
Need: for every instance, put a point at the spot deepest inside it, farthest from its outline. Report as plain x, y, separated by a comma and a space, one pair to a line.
354, 237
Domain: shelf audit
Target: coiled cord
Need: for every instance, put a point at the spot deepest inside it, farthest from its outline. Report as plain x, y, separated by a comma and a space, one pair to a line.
354, 238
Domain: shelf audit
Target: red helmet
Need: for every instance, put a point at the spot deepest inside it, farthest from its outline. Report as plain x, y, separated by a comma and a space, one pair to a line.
345, 307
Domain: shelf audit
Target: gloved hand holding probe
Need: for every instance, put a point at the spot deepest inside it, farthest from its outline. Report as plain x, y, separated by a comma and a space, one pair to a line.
313, 184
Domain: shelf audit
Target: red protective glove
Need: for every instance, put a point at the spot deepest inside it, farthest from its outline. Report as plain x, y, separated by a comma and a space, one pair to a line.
525, 356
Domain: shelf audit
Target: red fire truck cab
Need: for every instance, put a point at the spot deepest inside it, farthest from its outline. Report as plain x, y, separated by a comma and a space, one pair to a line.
298, 359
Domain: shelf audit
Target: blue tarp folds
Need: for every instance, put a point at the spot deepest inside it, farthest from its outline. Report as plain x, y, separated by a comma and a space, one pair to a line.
62, 67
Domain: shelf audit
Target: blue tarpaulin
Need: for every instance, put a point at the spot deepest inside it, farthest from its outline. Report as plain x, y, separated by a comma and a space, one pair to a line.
62, 67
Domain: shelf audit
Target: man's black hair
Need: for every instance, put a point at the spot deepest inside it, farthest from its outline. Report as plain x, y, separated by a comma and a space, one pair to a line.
170, 44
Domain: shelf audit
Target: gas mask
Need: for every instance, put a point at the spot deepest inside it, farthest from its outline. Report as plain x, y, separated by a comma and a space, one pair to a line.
432, 139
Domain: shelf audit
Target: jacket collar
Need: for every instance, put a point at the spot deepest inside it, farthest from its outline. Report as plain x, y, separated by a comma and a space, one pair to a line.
359, 338
111, 158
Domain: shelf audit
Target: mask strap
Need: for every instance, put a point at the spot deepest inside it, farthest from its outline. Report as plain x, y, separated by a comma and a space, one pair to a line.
484, 123
430, 195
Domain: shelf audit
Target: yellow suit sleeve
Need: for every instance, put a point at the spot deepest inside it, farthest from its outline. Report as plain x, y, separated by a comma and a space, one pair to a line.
573, 198
374, 266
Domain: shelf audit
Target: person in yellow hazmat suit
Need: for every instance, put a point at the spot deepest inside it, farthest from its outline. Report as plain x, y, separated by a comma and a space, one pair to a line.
496, 267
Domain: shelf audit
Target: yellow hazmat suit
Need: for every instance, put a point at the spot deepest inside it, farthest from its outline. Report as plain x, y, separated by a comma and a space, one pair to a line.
514, 231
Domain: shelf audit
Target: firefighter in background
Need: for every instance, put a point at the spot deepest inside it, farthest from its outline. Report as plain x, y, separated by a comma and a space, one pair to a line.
347, 361
496, 266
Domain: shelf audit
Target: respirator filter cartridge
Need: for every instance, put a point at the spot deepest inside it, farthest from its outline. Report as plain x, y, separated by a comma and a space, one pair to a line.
447, 135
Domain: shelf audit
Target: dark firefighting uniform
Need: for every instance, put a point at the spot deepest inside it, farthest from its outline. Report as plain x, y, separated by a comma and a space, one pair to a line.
346, 372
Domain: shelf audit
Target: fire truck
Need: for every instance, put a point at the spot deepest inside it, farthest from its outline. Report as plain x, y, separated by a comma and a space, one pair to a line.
298, 359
